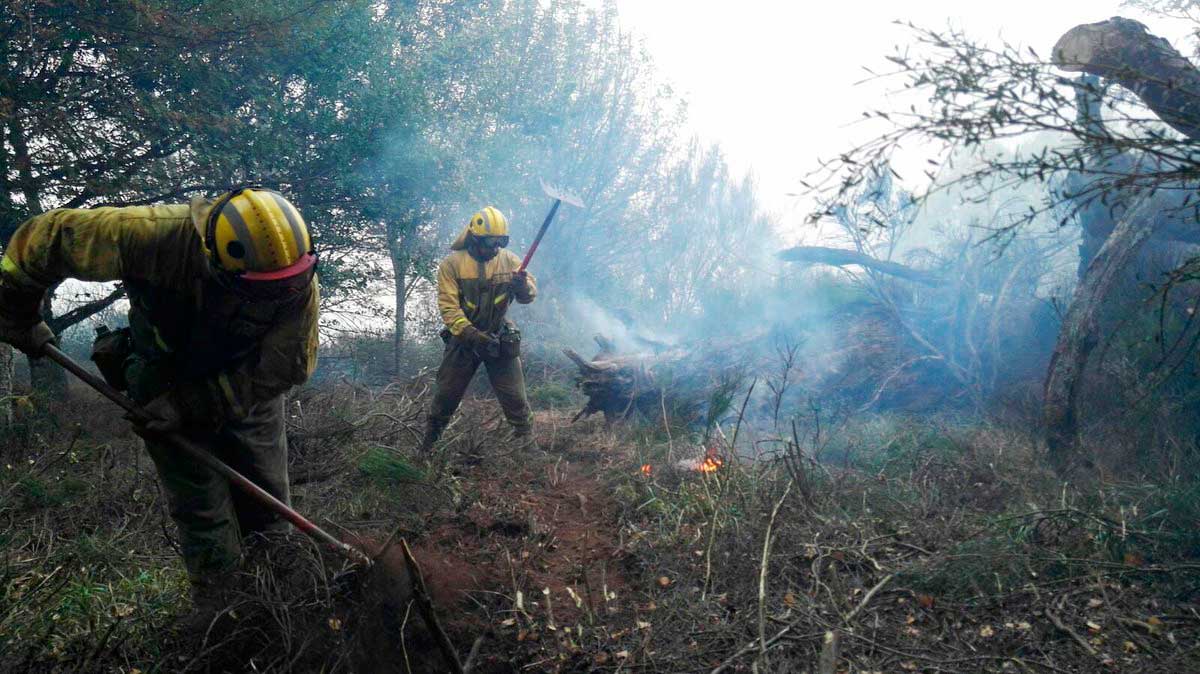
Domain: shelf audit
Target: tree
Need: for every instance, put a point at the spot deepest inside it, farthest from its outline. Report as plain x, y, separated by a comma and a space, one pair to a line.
503, 98
1124, 182
706, 239
132, 102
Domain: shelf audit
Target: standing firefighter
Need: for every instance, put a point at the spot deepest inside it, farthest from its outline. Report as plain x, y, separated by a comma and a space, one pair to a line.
222, 321
477, 282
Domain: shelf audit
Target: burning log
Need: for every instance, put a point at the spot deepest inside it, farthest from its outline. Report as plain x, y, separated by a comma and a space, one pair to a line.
671, 383
616, 385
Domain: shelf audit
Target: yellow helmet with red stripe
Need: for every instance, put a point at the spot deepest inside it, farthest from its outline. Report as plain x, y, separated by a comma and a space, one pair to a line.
489, 222
258, 235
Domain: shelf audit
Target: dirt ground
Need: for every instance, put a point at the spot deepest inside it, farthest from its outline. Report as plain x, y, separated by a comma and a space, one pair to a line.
919, 548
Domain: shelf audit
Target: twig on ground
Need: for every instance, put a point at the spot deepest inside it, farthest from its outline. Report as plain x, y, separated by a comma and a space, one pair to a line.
662, 401
1065, 629
868, 596
753, 645
762, 576
830, 651
425, 606
387, 544
712, 531
473, 654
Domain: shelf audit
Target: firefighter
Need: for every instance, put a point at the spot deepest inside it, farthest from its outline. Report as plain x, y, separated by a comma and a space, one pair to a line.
477, 282
222, 322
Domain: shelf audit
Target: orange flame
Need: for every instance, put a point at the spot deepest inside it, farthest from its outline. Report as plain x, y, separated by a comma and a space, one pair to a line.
712, 461
646, 470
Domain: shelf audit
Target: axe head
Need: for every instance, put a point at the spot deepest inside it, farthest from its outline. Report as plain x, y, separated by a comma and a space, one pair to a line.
561, 195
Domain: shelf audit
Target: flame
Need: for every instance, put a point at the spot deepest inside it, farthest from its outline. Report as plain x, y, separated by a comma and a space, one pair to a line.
712, 461
646, 470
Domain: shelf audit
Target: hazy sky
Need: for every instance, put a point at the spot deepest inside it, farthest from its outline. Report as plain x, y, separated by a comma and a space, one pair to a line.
774, 81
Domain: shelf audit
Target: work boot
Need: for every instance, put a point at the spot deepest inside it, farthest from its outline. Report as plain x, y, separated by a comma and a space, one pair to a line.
433, 431
522, 439
211, 607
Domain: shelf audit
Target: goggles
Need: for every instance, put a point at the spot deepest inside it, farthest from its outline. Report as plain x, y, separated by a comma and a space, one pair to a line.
492, 241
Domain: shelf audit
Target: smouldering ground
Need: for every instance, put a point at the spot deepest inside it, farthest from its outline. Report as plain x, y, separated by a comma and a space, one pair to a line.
922, 546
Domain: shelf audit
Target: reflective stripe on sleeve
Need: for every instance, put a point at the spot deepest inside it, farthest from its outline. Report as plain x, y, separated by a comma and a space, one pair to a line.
227, 390
11, 269
159, 341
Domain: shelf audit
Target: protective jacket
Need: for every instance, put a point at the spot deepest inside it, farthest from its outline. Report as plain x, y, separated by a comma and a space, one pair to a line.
221, 354
477, 293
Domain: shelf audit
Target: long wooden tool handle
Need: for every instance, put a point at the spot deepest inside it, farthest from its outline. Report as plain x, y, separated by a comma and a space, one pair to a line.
205, 457
541, 232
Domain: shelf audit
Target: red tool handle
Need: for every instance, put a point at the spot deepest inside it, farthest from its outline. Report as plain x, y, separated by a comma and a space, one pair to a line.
541, 232
205, 457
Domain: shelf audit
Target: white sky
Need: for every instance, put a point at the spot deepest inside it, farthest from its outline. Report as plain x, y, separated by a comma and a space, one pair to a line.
774, 81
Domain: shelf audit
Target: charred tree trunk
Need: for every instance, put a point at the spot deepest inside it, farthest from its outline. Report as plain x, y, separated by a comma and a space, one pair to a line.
1080, 331
616, 386
670, 384
1124, 51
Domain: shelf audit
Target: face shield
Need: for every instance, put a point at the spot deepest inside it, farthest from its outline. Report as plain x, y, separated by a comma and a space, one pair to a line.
274, 290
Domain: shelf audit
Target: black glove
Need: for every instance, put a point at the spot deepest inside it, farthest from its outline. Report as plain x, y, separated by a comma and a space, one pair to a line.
520, 283
167, 417
21, 321
27, 336
183, 407
476, 337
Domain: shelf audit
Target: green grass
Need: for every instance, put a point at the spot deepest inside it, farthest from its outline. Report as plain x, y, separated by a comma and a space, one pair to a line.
37, 493
386, 468
75, 606
553, 395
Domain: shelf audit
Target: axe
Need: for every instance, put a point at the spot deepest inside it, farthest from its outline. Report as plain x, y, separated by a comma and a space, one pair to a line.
559, 196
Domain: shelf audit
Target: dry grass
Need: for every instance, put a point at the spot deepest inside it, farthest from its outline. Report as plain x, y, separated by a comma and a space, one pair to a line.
928, 545
930, 548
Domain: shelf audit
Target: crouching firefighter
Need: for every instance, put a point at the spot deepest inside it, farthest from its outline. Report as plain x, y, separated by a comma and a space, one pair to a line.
222, 322
476, 284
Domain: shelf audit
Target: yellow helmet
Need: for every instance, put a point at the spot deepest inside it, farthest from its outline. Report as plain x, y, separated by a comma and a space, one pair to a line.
258, 235
489, 222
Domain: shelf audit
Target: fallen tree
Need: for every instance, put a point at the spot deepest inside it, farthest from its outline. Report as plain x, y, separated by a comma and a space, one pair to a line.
653, 385
841, 257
